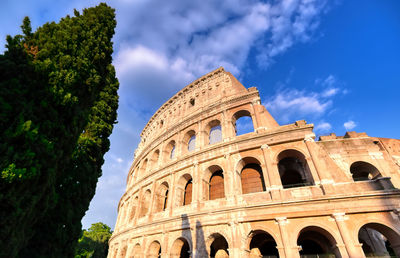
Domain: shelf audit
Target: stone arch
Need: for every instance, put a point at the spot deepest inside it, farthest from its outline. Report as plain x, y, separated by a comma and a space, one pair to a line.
170, 150
217, 246
293, 169
315, 240
242, 122
162, 197
362, 171
154, 159
379, 240
137, 251
134, 205
143, 167
214, 186
154, 250
145, 203
124, 251
214, 132
180, 248
189, 140
262, 244
184, 190
251, 175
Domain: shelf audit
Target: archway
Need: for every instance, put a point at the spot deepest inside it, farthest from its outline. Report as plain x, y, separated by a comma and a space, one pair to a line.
363, 171
184, 190
243, 122
190, 141
317, 242
137, 251
263, 244
145, 203
251, 175
379, 240
217, 187
219, 246
162, 197
180, 248
293, 169
215, 132
154, 250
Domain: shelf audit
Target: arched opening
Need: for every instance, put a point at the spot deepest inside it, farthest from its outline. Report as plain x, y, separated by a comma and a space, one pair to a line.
219, 246
187, 199
145, 204
243, 122
170, 150
190, 140
215, 132
143, 167
180, 248
216, 185
154, 250
137, 251
154, 159
123, 251
133, 208
379, 241
293, 169
184, 190
251, 174
363, 171
263, 244
162, 197
317, 242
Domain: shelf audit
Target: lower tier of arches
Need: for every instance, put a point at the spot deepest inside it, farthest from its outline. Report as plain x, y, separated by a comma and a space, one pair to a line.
339, 235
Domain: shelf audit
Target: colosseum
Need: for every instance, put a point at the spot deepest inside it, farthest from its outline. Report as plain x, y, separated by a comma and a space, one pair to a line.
199, 188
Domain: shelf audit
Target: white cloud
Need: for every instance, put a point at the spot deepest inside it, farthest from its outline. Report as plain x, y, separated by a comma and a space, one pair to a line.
323, 127
288, 104
349, 125
330, 92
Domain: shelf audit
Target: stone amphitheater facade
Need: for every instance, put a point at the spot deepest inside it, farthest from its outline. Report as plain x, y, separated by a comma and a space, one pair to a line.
197, 189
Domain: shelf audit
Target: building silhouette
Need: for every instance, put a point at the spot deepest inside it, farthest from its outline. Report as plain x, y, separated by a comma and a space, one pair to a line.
197, 188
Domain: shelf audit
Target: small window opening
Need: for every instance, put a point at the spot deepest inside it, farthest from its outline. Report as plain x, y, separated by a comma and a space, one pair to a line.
192, 102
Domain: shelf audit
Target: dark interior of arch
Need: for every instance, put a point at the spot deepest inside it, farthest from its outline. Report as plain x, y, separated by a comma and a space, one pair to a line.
187, 199
218, 243
252, 179
315, 243
266, 244
363, 171
374, 243
217, 185
293, 173
165, 200
185, 250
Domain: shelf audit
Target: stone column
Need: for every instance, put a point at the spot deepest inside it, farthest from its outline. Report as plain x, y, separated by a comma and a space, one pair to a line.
195, 184
290, 251
234, 250
170, 204
152, 202
254, 117
272, 176
229, 181
323, 173
353, 251
228, 130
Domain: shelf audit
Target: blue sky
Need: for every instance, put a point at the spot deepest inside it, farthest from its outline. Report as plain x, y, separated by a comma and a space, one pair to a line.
333, 63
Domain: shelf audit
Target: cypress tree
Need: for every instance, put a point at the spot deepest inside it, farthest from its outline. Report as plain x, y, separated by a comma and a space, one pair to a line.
58, 99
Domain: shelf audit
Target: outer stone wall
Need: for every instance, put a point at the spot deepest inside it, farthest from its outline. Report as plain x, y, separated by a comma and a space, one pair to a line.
272, 192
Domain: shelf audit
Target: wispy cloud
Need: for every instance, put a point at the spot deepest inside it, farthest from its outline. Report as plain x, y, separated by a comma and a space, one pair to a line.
349, 125
290, 103
323, 127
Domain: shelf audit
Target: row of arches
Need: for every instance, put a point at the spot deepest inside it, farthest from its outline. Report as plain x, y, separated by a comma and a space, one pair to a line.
376, 240
242, 123
293, 170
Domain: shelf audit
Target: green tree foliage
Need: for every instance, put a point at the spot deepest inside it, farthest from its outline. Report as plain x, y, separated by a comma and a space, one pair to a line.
58, 99
94, 242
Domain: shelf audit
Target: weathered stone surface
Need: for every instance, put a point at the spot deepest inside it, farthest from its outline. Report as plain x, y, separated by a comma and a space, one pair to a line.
196, 189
